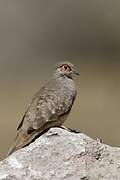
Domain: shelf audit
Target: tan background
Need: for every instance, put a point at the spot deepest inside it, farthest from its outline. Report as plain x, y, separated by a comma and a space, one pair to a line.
34, 35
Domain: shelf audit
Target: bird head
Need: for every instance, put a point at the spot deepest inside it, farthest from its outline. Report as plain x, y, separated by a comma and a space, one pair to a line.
66, 69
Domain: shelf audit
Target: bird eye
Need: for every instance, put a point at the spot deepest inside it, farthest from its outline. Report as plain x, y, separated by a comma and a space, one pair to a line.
66, 67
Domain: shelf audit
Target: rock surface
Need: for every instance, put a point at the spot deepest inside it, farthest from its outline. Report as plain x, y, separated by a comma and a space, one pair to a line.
62, 155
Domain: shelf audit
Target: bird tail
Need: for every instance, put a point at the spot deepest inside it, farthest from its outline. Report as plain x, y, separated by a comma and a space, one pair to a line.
22, 139
19, 141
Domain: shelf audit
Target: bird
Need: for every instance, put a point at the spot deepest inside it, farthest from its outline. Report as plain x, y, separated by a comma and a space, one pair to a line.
49, 107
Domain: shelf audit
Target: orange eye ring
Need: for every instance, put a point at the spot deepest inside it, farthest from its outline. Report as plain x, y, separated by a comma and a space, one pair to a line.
65, 67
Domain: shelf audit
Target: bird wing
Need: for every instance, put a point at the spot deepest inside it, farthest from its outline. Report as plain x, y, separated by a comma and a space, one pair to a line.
19, 126
37, 115
44, 109
33, 116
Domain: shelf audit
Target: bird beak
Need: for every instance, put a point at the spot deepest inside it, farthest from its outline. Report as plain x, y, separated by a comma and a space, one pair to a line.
76, 72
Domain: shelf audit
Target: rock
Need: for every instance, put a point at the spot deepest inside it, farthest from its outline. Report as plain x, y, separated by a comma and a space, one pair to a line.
63, 155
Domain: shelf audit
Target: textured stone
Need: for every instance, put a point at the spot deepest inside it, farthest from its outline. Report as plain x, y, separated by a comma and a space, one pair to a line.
62, 155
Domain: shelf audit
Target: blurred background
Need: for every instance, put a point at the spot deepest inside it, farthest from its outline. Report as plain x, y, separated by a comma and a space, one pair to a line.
35, 35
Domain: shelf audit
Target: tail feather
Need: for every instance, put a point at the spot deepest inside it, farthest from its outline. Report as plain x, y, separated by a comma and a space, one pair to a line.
22, 139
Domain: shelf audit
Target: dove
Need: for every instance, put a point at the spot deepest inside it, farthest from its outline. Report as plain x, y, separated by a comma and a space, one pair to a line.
49, 107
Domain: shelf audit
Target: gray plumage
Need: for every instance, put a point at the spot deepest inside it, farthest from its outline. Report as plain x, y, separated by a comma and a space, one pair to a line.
49, 107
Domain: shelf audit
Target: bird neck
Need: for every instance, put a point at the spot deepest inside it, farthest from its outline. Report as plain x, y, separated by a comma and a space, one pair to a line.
58, 75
